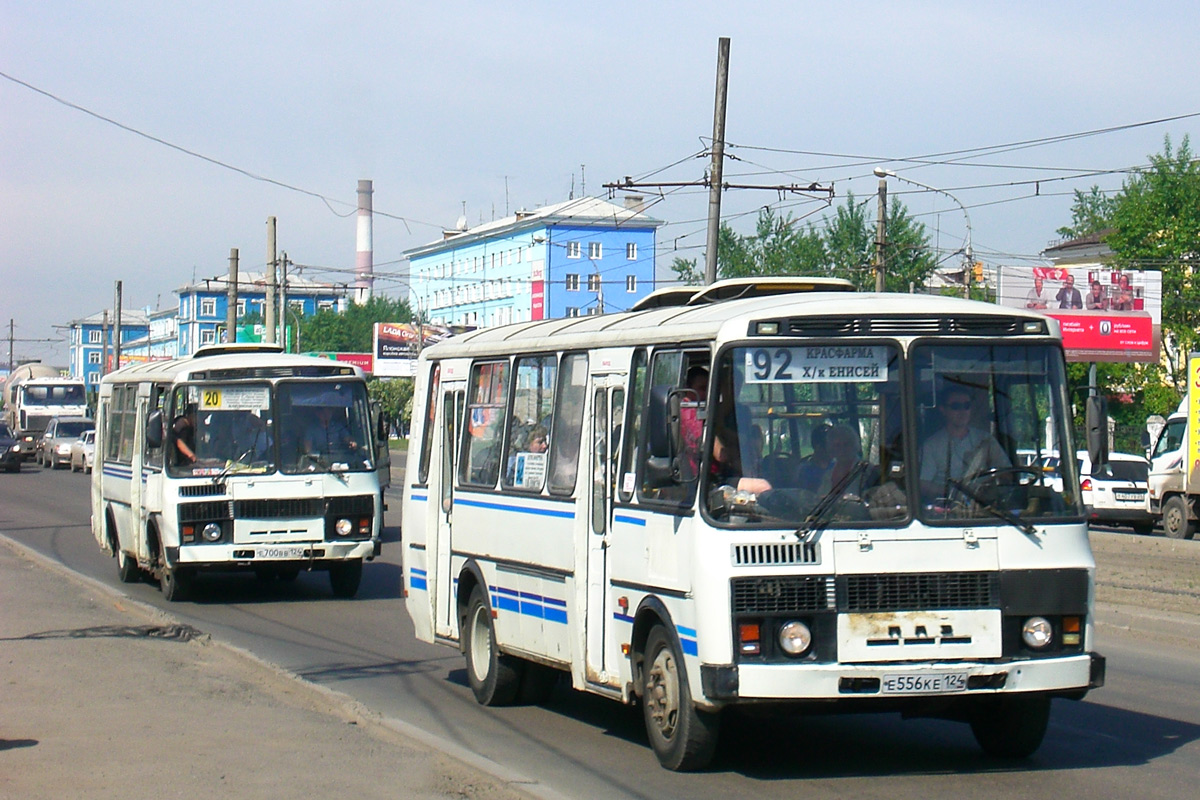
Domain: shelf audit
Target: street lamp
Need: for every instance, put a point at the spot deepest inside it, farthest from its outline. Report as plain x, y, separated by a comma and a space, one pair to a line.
968, 261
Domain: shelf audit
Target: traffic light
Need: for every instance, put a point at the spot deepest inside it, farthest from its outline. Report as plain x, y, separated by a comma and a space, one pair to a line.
977, 272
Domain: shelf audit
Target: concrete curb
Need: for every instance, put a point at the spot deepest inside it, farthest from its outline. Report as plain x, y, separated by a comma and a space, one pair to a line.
339, 704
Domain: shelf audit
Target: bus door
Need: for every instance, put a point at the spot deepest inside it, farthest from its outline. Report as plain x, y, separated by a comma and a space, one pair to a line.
608, 407
448, 428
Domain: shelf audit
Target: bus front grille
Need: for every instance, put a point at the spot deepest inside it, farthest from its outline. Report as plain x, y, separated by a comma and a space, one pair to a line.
783, 594
274, 508
918, 591
776, 554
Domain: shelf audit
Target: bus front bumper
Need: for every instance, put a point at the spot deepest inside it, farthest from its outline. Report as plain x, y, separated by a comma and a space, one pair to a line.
1067, 675
306, 555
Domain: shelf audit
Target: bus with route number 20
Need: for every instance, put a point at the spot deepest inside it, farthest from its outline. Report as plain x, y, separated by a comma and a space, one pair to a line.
238, 458
776, 491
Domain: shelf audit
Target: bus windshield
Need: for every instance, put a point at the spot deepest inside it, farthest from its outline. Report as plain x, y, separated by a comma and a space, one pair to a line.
218, 428
794, 425
832, 435
324, 427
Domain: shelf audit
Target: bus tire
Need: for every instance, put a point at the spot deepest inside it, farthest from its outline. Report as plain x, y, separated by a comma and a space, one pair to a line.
1175, 522
682, 737
175, 582
495, 678
1011, 727
127, 567
344, 578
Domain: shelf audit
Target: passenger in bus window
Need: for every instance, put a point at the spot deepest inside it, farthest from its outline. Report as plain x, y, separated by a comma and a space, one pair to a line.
251, 437
690, 425
958, 451
816, 466
184, 428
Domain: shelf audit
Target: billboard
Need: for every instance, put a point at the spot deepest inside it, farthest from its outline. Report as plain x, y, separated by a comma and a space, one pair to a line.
361, 360
1105, 314
397, 347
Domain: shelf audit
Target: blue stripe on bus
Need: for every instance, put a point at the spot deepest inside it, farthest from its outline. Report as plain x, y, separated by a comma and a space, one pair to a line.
421, 498
687, 640
115, 471
629, 520
620, 617
417, 579
529, 604
540, 512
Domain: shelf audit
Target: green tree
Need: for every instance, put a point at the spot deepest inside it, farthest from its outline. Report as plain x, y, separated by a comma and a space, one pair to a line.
1156, 225
1090, 213
351, 331
395, 399
844, 248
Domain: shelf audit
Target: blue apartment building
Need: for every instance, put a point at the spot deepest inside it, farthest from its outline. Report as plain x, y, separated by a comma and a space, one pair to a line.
576, 258
91, 343
201, 313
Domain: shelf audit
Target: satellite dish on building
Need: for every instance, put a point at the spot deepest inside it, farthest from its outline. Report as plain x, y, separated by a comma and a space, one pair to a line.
461, 224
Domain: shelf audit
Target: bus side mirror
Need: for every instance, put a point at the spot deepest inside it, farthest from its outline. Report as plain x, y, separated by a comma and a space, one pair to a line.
1096, 422
664, 437
154, 429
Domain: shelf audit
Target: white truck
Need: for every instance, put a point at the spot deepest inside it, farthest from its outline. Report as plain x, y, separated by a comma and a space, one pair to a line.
34, 393
1170, 496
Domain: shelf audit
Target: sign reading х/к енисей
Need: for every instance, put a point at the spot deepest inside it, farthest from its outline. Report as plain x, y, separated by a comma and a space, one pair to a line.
817, 364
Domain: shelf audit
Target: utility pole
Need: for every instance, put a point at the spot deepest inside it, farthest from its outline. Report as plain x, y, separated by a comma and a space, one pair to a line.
269, 305
283, 308
880, 235
104, 345
117, 329
231, 298
718, 162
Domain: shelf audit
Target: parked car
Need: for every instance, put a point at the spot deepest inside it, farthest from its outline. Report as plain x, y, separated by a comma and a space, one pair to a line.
54, 448
1116, 495
83, 452
10, 450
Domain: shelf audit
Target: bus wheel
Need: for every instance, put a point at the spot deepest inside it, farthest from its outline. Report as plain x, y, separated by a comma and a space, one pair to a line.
345, 577
175, 582
1175, 520
127, 567
495, 678
1011, 727
683, 737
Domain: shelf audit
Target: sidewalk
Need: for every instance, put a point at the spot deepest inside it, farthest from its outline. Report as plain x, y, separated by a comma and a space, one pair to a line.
101, 697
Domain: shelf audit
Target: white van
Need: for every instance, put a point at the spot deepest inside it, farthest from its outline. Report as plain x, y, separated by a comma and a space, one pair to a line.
1166, 497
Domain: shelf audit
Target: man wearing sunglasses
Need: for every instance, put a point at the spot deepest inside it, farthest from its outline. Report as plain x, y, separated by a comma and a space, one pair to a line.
958, 450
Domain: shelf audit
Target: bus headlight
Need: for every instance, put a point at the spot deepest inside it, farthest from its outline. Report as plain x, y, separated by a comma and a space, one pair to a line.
794, 637
343, 527
1037, 632
212, 532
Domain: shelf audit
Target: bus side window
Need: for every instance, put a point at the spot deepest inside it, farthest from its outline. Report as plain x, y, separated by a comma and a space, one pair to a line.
568, 423
626, 476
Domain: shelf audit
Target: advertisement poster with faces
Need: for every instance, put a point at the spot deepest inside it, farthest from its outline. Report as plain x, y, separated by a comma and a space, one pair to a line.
1105, 314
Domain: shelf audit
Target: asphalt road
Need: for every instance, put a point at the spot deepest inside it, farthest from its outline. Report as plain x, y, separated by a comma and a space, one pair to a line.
1138, 736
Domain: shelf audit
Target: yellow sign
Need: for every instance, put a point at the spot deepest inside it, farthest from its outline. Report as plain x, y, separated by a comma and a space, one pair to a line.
1193, 425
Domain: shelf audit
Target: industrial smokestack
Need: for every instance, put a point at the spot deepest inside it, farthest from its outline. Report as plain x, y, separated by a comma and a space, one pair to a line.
364, 278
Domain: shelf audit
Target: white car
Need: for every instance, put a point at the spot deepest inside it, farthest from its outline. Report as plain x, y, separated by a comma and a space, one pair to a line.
1115, 496
83, 452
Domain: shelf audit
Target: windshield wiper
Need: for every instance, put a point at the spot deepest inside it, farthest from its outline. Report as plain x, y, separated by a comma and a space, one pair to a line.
993, 509
816, 518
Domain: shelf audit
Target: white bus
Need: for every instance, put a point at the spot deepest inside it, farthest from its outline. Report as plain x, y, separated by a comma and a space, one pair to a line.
238, 458
691, 547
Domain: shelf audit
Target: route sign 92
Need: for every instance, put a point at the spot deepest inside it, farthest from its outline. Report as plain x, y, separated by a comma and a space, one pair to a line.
817, 364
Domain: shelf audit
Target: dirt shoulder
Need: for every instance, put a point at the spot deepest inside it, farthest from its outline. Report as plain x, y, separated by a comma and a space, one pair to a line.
1149, 572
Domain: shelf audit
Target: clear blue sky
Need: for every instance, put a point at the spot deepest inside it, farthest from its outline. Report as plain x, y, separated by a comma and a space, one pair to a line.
503, 106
